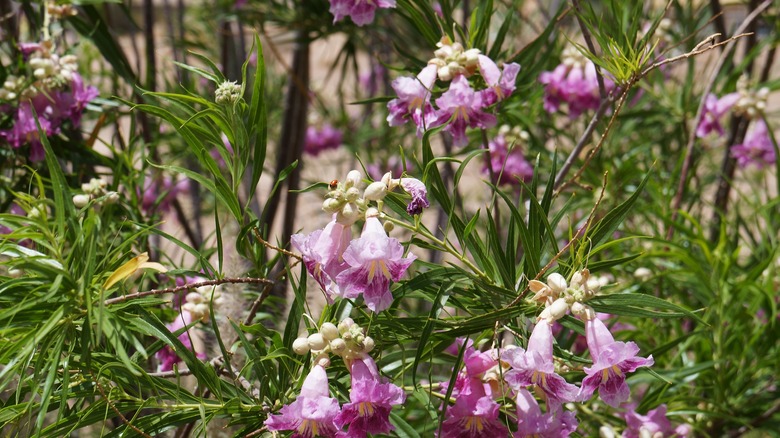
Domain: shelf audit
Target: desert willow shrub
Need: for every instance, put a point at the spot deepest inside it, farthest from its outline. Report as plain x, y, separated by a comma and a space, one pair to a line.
538, 264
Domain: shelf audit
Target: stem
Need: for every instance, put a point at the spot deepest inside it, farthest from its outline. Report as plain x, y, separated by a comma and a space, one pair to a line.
247, 280
591, 47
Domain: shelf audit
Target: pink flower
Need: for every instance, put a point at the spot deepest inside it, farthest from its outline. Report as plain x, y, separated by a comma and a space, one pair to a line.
159, 194
322, 252
322, 138
312, 413
714, 110
414, 100
373, 260
532, 423
25, 131
474, 415
371, 400
653, 424
575, 84
535, 367
501, 84
166, 356
756, 149
509, 166
361, 11
461, 107
611, 361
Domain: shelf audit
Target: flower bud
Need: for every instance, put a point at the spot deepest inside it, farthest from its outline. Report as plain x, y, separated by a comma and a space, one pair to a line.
555, 311
228, 92
557, 283
345, 325
643, 274
388, 226
301, 346
368, 344
372, 212
376, 191
386, 178
194, 298
353, 194
353, 179
111, 198
348, 214
322, 360
329, 331
338, 346
332, 205
317, 342
81, 201
201, 312
577, 280
14, 273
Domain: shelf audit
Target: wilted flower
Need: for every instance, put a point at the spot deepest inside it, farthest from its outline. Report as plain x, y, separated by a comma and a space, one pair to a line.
419, 194
312, 413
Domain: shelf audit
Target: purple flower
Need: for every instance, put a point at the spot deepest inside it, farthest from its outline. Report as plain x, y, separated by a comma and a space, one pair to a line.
167, 356
532, 423
419, 194
714, 110
312, 413
535, 367
474, 415
575, 83
414, 100
508, 166
653, 424
322, 252
611, 361
322, 138
361, 11
371, 400
501, 84
462, 107
373, 261
756, 149
159, 194
25, 131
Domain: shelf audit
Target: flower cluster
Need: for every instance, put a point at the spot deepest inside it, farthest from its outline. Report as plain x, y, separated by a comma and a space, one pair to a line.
95, 189
361, 11
507, 162
757, 149
314, 413
460, 106
48, 88
346, 267
574, 82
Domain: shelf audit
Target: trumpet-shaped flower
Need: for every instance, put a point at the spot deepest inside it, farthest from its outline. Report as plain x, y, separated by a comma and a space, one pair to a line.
501, 84
322, 252
312, 413
508, 166
414, 100
756, 149
462, 107
371, 400
166, 356
474, 415
611, 361
714, 110
373, 261
573, 82
653, 424
532, 423
535, 366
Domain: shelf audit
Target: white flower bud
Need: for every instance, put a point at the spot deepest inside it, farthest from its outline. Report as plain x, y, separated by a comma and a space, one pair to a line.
39, 73
111, 198
301, 346
194, 298
643, 274
388, 226
348, 214
14, 273
322, 360
338, 346
317, 342
10, 96
353, 179
227, 92
332, 205
577, 279
594, 284
557, 283
329, 331
555, 311
606, 432
376, 191
368, 344
353, 194
386, 178
445, 74
81, 201
372, 212
201, 312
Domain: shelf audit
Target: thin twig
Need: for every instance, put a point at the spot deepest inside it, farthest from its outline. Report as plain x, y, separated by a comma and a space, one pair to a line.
584, 139
688, 161
274, 247
113, 408
247, 280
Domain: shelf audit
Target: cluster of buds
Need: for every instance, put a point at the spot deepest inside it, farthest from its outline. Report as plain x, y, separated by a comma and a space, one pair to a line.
514, 134
227, 93
347, 340
559, 297
452, 60
50, 69
573, 58
60, 11
349, 202
197, 302
751, 103
11, 87
95, 189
